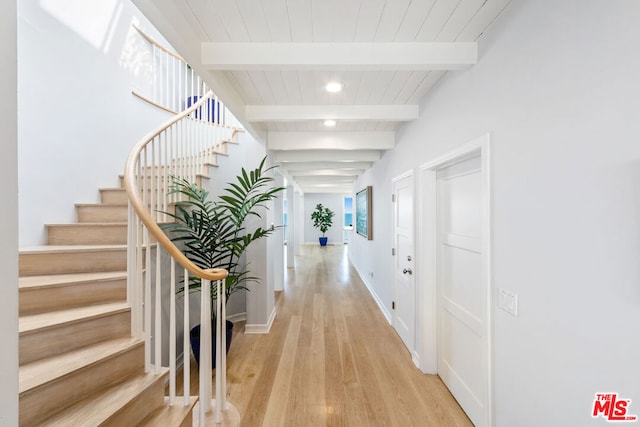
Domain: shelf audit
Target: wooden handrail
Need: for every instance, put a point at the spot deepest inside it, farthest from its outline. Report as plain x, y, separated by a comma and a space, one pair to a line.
158, 45
143, 213
149, 101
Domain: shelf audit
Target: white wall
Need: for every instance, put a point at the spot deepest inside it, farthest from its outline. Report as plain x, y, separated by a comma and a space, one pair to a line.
8, 216
291, 226
276, 240
329, 200
77, 118
257, 304
372, 258
298, 224
557, 88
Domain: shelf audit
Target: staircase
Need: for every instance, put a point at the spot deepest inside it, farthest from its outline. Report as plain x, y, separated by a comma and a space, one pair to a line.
83, 354
79, 365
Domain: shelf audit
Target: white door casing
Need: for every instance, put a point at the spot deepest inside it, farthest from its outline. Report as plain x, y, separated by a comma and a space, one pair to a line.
404, 260
454, 290
460, 296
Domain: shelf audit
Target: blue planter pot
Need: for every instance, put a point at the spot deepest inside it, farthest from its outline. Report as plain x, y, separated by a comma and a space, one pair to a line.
194, 337
323, 241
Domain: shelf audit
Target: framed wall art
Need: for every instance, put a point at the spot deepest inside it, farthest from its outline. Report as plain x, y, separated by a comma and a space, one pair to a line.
364, 211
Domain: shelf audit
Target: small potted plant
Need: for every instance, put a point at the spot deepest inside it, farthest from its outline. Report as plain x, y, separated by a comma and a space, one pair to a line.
323, 219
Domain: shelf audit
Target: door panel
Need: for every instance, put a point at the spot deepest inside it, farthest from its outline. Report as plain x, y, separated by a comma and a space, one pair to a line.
461, 297
404, 313
461, 269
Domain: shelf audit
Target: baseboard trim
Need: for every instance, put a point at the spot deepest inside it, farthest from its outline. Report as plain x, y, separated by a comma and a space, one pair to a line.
381, 306
415, 357
261, 328
238, 317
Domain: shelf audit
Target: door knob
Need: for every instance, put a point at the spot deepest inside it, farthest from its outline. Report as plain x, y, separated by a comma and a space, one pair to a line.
407, 270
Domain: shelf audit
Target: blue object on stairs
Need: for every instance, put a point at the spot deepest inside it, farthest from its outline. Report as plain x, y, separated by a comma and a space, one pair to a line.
211, 113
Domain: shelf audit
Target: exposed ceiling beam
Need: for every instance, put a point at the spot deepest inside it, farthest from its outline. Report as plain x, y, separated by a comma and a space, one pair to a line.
342, 56
328, 189
327, 155
326, 172
289, 180
293, 113
328, 179
331, 140
292, 167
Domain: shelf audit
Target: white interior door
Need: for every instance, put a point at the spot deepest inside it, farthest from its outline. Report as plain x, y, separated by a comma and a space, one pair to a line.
405, 298
461, 293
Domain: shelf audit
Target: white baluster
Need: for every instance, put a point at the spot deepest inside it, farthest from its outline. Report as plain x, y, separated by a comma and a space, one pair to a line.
205, 349
138, 280
186, 359
147, 277
157, 357
172, 336
220, 338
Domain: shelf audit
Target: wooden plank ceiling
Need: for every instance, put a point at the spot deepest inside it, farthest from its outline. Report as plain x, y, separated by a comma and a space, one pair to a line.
269, 61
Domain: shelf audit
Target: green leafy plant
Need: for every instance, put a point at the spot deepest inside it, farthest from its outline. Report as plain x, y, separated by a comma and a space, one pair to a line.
322, 218
213, 233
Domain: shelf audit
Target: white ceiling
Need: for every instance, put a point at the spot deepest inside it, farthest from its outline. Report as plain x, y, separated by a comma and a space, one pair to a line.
269, 60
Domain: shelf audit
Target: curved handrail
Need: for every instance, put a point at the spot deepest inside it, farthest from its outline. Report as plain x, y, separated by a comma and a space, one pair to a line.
158, 45
143, 213
152, 102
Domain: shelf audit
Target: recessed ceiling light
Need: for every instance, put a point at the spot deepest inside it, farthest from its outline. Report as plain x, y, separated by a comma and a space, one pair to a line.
330, 123
334, 87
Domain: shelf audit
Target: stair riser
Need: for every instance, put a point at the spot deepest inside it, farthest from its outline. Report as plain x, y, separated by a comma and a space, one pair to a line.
119, 197
115, 196
40, 403
57, 339
102, 213
222, 149
151, 399
32, 264
106, 213
149, 179
99, 234
50, 298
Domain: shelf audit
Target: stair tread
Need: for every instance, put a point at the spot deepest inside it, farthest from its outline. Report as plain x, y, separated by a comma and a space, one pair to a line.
69, 248
54, 318
123, 190
65, 279
169, 415
109, 205
45, 370
97, 408
89, 224
106, 205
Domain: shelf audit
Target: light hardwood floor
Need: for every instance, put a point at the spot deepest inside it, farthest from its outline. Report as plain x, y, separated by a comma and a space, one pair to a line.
331, 358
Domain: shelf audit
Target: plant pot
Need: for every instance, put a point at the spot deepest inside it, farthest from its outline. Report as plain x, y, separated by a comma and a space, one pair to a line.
194, 337
323, 241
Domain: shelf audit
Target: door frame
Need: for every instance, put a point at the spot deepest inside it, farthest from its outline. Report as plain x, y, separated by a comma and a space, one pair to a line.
413, 351
427, 253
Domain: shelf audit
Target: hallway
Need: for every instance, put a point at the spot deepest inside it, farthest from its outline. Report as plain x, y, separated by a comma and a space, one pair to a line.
331, 358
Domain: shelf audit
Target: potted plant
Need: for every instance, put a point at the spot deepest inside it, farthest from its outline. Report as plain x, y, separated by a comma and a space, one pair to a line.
213, 234
323, 219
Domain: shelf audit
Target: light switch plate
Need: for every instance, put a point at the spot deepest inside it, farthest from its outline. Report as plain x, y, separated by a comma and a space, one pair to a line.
508, 301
